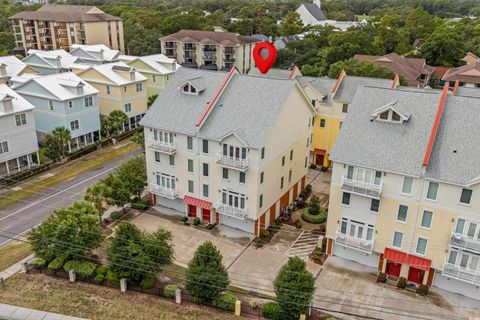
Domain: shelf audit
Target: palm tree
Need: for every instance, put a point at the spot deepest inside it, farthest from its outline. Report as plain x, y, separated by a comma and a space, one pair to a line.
152, 99
117, 119
62, 137
95, 195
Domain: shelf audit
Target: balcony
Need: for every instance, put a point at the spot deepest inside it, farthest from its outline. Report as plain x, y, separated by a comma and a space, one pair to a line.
465, 242
361, 188
231, 211
209, 57
209, 48
461, 273
162, 146
189, 48
170, 45
170, 193
232, 162
354, 242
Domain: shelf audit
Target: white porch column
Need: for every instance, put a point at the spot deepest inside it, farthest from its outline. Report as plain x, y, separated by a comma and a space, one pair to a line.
69, 147
28, 160
8, 169
18, 165
91, 137
38, 158
78, 142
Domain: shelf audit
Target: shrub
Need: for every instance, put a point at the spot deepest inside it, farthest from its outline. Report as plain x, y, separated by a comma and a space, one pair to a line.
56, 264
278, 221
314, 206
302, 194
324, 244
382, 277
113, 279
402, 283
210, 226
196, 221
319, 218
39, 263
140, 205
308, 188
265, 233
184, 219
324, 169
86, 269
225, 301
313, 166
99, 278
102, 270
148, 283
116, 215
170, 291
72, 264
253, 304
272, 310
422, 290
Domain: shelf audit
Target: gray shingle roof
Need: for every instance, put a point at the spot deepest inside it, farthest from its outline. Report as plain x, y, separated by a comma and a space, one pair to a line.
272, 73
382, 145
350, 84
315, 11
66, 13
323, 85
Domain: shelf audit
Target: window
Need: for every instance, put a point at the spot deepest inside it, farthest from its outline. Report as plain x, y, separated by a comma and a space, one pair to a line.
306, 161
421, 246
205, 146
452, 258
189, 143
241, 177
397, 239
109, 90
262, 156
313, 102
281, 183
407, 185
466, 196
427, 219
283, 161
190, 186
322, 123
74, 125
124, 88
261, 177
3, 147
291, 155
384, 115
356, 229
50, 104
374, 205
346, 198
340, 125
345, 108
138, 87
290, 176
402, 213
88, 102
154, 78
70, 104
308, 142
432, 191
128, 107
260, 201
20, 119
205, 190
205, 169
171, 160
350, 172
157, 156
190, 165
225, 173
460, 226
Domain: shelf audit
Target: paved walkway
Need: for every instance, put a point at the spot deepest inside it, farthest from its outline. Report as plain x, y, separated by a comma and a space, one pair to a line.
14, 268
9, 312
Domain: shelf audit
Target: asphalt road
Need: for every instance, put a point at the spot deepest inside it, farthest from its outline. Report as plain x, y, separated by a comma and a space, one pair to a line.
17, 219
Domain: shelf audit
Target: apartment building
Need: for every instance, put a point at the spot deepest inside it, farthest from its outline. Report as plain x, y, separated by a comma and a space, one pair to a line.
404, 193
120, 87
157, 68
11, 66
60, 26
94, 54
62, 100
211, 50
50, 62
228, 148
18, 139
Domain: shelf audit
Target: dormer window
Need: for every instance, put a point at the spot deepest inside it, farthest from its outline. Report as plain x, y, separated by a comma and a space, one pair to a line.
193, 86
391, 113
188, 88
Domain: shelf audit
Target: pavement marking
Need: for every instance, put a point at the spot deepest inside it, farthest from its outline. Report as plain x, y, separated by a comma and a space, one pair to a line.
7, 227
17, 236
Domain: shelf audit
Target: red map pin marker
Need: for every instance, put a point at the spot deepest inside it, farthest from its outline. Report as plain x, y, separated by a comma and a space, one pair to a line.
264, 63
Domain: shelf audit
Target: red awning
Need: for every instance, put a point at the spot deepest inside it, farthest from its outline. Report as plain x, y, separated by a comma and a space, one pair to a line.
418, 262
197, 202
395, 255
320, 151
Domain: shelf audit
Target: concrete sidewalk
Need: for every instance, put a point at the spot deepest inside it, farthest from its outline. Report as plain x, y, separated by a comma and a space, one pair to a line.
9, 312
14, 268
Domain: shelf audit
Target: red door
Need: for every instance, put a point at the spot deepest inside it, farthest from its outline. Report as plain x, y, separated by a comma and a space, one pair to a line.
393, 269
319, 159
206, 215
416, 275
192, 211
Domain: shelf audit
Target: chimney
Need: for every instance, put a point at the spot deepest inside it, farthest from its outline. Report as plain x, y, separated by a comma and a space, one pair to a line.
7, 104
132, 74
3, 70
80, 88
57, 61
100, 55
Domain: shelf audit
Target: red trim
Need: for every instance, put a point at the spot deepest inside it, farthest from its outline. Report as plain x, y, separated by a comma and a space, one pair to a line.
197, 202
418, 262
436, 123
395, 255
455, 88
396, 80
339, 79
410, 259
320, 151
292, 73
215, 97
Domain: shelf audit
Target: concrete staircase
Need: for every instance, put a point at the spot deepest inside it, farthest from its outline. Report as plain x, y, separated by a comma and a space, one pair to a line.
304, 245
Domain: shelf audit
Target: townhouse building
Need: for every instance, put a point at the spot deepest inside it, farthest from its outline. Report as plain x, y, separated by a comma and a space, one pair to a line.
92, 54
157, 68
404, 192
11, 66
120, 87
50, 62
228, 148
55, 27
18, 139
464, 76
211, 50
63, 100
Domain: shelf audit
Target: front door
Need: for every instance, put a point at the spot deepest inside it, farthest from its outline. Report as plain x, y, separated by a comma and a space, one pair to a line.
416, 275
319, 159
206, 215
192, 211
393, 269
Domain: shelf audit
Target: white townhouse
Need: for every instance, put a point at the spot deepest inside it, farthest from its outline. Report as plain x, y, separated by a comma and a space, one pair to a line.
228, 148
11, 66
18, 139
94, 54
50, 62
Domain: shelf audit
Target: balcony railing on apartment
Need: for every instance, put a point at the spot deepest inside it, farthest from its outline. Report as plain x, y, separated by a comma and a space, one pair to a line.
232, 162
209, 57
170, 193
461, 273
361, 187
231, 211
465, 242
162, 146
170, 45
354, 242
209, 48
189, 48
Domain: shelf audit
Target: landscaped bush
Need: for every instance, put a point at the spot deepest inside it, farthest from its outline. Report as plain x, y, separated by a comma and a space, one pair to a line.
116, 215
272, 310
402, 283
184, 219
86, 269
39, 263
102, 270
253, 304
225, 301
278, 221
196, 221
113, 279
140, 205
319, 218
99, 278
313, 166
422, 290
72, 264
56, 264
308, 189
324, 169
148, 283
265, 233
170, 290
210, 226
382, 277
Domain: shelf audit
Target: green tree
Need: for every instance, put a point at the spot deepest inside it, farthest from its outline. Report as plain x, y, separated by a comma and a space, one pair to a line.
116, 191
152, 99
53, 149
206, 278
291, 24
294, 287
133, 175
444, 47
360, 68
71, 232
116, 120
314, 206
419, 24
391, 36
56, 143
139, 138
95, 195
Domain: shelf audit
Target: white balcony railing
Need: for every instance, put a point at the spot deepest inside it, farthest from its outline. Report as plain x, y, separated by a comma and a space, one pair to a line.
354, 242
170, 193
231, 211
232, 162
361, 187
162, 146
461, 273
465, 242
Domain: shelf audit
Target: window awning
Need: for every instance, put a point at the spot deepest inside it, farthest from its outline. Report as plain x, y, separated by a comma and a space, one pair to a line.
320, 151
418, 262
410, 259
395, 255
197, 202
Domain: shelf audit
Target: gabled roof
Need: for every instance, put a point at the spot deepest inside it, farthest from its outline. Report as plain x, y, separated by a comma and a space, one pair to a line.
155, 61
113, 71
66, 13
14, 66
225, 38
400, 109
322, 85
18, 102
277, 73
349, 85
99, 52
315, 11
198, 83
66, 59
469, 73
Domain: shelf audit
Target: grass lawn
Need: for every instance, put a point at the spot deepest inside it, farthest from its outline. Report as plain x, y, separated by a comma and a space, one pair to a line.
95, 302
13, 252
67, 171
